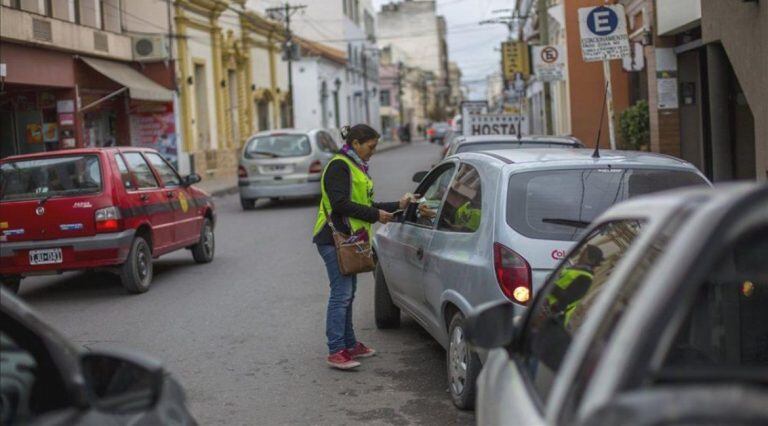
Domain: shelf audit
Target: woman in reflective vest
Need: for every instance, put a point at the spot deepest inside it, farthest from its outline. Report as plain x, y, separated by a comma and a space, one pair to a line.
347, 196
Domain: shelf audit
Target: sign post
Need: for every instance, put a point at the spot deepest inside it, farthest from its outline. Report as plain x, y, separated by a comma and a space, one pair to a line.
604, 37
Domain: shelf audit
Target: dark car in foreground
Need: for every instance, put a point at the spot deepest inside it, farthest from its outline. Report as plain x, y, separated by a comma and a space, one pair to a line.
45, 380
657, 316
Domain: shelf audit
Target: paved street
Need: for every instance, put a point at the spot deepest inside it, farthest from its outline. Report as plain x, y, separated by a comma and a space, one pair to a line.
245, 334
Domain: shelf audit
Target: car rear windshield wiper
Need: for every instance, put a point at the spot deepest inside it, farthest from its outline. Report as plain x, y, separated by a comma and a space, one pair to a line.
567, 222
267, 153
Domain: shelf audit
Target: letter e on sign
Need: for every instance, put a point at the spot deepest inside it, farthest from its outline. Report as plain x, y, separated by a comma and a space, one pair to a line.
602, 21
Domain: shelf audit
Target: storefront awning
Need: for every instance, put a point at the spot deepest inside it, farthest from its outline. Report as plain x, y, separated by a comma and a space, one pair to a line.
139, 86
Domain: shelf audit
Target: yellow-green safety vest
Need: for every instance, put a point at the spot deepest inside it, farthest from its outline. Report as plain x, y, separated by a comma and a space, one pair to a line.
566, 278
467, 216
361, 192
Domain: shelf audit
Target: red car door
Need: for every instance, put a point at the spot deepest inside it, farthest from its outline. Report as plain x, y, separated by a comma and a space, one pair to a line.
149, 200
187, 221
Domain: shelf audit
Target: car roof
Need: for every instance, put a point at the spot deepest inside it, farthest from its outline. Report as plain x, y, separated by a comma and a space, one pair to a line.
76, 151
545, 157
510, 138
665, 202
284, 131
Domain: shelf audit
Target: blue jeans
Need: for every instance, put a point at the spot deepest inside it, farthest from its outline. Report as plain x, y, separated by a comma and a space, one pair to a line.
338, 320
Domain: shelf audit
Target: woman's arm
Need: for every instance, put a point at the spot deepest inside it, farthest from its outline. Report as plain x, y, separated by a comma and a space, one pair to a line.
337, 185
388, 207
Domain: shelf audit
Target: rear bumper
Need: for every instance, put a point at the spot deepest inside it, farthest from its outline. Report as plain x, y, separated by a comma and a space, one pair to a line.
78, 253
249, 190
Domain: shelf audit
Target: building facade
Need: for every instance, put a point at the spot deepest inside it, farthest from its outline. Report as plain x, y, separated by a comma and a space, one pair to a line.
415, 28
72, 79
349, 26
318, 77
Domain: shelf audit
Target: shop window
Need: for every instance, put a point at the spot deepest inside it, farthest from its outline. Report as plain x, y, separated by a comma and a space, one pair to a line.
285, 115
201, 107
233, 107
384, 97
262, 110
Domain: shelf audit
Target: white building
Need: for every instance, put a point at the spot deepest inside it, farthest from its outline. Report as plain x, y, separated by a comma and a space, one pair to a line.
347, 25
317, 80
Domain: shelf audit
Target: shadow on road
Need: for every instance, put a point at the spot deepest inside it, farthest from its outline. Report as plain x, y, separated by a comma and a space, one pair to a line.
94, 284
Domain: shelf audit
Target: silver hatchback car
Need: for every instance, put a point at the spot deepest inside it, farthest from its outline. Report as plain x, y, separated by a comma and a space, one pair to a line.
494, 224
283, 163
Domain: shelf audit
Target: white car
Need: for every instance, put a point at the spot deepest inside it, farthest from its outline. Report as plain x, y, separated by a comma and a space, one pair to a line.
667, 324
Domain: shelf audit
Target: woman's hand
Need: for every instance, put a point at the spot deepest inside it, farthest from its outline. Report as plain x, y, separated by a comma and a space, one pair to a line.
385, 217
407, 199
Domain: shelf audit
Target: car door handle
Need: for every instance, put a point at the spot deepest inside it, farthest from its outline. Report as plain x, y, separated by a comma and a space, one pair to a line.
169, 194
143, 197
420, 253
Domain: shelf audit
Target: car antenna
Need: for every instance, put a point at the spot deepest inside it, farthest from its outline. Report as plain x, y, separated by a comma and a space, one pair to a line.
596, 154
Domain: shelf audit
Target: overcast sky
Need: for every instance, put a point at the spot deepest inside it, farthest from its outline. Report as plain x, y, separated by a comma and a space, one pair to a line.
471, 45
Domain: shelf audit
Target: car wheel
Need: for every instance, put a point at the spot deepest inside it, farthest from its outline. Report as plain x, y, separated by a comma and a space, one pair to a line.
248, 204
203, 251
136, 272
386, 313
463, 366
11, 284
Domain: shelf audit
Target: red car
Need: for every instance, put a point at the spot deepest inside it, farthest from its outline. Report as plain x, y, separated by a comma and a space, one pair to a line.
98, 208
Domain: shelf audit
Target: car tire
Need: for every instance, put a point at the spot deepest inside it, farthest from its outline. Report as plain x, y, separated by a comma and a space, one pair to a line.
386, 313
204, 250
463, 366
136, 272
248, 203
11, 284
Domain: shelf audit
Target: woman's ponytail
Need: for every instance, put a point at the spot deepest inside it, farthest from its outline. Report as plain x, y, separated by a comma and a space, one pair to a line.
358, 132
345, 133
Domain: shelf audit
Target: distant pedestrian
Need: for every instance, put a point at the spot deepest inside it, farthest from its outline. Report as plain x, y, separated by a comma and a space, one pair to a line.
347, 196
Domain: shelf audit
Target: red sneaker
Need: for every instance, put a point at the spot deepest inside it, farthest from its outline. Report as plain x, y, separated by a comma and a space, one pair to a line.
360, 351
342, 360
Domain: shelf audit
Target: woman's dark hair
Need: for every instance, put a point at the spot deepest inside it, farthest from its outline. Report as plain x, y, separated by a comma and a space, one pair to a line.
358, 132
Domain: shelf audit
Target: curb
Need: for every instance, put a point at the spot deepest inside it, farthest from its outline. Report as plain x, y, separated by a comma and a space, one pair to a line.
233, 189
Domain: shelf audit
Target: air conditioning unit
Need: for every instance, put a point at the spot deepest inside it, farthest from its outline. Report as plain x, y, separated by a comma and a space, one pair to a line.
148, 48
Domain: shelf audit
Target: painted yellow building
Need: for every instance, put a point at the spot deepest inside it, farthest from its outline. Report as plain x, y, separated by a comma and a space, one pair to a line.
231, 78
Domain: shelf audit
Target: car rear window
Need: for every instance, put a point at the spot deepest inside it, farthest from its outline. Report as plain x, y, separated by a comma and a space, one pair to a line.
560, 204
487, 146
50, 177
278, 146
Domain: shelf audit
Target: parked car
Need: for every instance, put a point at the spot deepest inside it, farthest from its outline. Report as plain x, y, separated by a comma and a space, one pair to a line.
113, 208
492, 142
283, 163
668, 326
494, 225
46, 380
436, 132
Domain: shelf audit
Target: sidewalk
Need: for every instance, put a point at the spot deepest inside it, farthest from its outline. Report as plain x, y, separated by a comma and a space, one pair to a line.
219, 187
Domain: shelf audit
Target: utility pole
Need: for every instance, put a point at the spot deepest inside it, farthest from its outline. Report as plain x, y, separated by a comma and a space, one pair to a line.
400, 92
542, 11
283, 13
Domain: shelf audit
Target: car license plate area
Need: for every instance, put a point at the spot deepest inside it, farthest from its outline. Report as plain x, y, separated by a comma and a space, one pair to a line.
45, 256
277, 169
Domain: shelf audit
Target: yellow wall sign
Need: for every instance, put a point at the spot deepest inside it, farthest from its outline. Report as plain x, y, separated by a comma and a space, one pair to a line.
515, 59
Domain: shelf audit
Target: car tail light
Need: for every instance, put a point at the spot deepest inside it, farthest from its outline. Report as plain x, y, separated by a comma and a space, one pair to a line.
241, 172
431, 132
513, 274
108, 219
316, 167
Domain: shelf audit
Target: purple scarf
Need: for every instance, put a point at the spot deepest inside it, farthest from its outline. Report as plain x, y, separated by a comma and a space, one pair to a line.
350, 152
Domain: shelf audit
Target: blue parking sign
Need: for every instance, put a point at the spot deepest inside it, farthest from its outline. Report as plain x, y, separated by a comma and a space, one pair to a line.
602, 21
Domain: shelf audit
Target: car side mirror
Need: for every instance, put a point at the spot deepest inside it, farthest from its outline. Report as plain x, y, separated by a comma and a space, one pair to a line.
419, 176
491, 326
192, 179
121, 383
